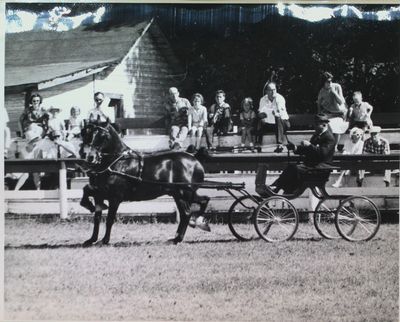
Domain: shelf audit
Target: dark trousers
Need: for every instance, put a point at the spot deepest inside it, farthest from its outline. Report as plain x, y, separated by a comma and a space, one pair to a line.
293, 177
262, 129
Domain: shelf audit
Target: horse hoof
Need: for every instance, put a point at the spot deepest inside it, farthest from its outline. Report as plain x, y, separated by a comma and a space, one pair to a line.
88, 243
105, 241
174, 241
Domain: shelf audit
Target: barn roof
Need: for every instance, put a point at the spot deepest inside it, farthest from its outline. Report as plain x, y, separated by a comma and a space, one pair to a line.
34, 57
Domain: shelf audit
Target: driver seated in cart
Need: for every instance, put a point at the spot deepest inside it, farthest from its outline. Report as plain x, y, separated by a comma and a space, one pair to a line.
318, 153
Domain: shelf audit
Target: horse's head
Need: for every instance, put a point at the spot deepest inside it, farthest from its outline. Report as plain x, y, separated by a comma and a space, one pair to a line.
98, 139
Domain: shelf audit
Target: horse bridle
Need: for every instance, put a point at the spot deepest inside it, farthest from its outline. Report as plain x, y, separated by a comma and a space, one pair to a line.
119, 156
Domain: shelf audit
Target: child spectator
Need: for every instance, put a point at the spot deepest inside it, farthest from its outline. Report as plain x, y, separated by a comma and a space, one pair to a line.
360, 112
197, 117
354, 145
376, 145
74, 127
55, 122
247, 118
221, 112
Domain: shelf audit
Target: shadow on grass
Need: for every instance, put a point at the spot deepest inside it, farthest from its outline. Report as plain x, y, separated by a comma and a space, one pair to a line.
117, 244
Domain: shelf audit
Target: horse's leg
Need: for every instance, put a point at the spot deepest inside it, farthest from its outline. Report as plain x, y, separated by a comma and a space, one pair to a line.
96, 221
112, 211
85, 202
200, 220
184, 212
202, 201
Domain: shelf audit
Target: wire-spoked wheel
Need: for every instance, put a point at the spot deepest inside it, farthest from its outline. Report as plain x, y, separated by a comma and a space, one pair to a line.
357, 219
241, 217
324, 218
276, 219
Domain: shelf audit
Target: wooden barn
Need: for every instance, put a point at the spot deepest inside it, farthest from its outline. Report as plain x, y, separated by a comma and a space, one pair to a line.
133, 65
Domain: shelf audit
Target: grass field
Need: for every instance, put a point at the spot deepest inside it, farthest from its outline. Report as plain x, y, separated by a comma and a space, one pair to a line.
210, 276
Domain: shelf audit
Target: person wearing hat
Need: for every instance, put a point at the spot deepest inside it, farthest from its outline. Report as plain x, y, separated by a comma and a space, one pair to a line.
318, 153
354, 145
55, 122
375, 144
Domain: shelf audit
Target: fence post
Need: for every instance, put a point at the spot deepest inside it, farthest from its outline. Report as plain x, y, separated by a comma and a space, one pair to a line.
63, 191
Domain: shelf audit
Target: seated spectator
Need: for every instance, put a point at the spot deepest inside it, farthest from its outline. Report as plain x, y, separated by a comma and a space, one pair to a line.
376, 145
55, 122
74, 126
360, 112
102, 112
197, 118
54, 147
332, 103
221, 112
273, 115
30, 151
247, 119
35, 118
176, 118
354, 145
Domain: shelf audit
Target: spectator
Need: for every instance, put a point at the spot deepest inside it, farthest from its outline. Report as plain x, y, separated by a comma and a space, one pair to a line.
54, 147
360, 112
35, 118
376, 145
102, 112
221, 119
176, 118
197, 118
247, 119
354, 145
332, 103
55, 122
30, 151
273, 115
74, 127
7, 133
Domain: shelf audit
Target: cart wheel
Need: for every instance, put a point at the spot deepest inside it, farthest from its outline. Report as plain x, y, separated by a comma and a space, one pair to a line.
357, 219
276, 219
241, 217
324, 218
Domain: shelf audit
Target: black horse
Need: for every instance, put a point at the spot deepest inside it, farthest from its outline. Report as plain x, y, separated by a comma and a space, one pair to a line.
117, 174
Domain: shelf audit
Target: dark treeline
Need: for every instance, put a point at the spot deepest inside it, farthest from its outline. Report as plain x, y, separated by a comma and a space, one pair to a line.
363, 55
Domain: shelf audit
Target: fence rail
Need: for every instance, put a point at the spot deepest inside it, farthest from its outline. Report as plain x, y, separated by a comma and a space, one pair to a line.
213, 163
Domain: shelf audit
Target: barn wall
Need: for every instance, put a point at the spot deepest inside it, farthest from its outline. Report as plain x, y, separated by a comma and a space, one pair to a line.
76, 93
144, 76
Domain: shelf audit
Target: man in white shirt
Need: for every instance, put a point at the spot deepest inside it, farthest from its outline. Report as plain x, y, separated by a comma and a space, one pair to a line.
102, 112
272, 113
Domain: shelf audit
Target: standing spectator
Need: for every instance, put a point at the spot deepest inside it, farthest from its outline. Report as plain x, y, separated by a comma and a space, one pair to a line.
247, 119
360, 112
221, 112
55, 122
176, 118
35, 118
7, 133
197, 118
354, 145
332, 103
273, 115
376, 145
